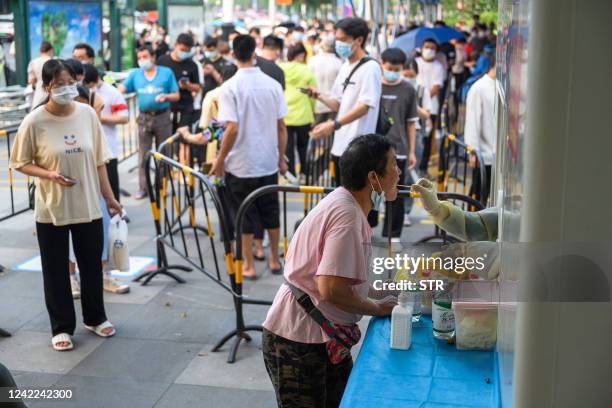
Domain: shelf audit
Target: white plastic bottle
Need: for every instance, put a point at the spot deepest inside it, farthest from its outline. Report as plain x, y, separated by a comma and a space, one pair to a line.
401, 323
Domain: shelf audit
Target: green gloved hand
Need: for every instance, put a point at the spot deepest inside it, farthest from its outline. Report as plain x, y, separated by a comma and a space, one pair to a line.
426, 190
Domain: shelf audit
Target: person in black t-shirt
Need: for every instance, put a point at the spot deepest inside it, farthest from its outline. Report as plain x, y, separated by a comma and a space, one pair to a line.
180, 61
214, 64
399, 99
272, 49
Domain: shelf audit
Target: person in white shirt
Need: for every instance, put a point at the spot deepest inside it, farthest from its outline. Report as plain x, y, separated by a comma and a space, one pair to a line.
431, 76
325, 65
480, 127
252, 106
35, 72
356, 100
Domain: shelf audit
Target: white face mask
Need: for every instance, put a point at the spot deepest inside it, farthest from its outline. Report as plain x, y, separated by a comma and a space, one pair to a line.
377, 198
64, 94
428, 53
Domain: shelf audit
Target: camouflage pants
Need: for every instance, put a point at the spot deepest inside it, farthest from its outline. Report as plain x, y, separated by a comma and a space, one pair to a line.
302, 375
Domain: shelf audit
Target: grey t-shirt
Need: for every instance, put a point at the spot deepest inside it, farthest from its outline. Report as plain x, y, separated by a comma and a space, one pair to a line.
400, 101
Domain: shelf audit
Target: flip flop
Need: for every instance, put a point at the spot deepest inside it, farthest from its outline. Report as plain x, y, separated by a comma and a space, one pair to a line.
60, 338
259, 258
250, 277
98, 329
276, 271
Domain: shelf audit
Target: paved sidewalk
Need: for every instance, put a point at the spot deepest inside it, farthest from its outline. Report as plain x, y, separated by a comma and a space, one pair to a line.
161, 354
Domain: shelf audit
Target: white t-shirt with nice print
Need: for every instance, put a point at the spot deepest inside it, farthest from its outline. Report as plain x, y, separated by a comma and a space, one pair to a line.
75, 146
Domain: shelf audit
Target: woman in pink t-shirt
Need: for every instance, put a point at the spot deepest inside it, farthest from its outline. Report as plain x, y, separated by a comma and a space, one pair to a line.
328, 260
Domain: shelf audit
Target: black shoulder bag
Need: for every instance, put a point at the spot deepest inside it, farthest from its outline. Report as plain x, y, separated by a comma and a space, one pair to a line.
384, 121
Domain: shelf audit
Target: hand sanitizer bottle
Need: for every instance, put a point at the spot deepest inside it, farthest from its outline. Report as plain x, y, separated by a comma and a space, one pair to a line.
401, 323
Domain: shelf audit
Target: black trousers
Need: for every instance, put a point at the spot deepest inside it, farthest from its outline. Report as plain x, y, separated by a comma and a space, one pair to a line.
395, 209
297, 137
88, 241
427, 141
477, 185
182, 117
112, 168
337, 177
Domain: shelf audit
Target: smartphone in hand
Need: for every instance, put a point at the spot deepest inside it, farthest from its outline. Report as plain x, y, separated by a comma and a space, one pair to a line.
69, 179
304, 91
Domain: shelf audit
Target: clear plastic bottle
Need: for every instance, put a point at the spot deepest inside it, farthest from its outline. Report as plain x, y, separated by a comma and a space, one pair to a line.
416, 305
442, 316
401, 323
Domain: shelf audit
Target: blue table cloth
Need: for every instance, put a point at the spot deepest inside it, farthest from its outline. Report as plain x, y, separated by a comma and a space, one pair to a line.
431, 374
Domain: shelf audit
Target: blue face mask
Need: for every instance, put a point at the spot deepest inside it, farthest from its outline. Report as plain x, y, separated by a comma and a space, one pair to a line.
391, 76
344, 50
377, 198
210, 54
183, 55
411, 81
145, 64
298, 36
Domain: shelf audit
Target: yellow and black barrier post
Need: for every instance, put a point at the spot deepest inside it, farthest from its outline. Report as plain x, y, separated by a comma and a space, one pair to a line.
240, 332
15, 208
454, 164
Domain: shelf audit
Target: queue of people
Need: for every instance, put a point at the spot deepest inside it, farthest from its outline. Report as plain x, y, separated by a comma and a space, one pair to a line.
271, 97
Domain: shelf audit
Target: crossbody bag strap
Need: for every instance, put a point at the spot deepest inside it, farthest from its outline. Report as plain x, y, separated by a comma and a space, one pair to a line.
348, 78
311, 310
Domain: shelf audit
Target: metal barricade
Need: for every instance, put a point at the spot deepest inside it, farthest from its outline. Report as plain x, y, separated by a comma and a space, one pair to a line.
454, 173
128, 133
178, 194
19, 188
240, 332
320, 167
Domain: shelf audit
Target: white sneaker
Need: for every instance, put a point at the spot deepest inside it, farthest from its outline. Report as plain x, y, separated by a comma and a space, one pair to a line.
407, 221
396, 245
112, 285
75, 287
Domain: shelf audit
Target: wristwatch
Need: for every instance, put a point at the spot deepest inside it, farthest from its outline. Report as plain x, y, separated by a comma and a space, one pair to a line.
337, 124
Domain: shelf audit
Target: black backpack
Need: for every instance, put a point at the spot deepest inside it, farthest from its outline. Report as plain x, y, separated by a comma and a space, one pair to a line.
384, 121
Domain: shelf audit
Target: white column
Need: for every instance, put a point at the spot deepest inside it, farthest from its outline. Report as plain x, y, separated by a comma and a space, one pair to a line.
228, 11
563, 357
272, 12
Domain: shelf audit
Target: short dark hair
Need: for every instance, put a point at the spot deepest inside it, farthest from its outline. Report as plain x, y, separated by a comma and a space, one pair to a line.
354, 27
83, 92
393, 56
45, 46
431, 41
255, 30
295, 50
92, 76
364, 154
412, 64
52, 70
211, 42
272, 42
185, 39
244, 47
88, 50
75, 65
147, 48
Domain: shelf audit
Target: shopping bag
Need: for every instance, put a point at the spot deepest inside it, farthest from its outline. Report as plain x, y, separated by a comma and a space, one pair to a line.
119, 255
